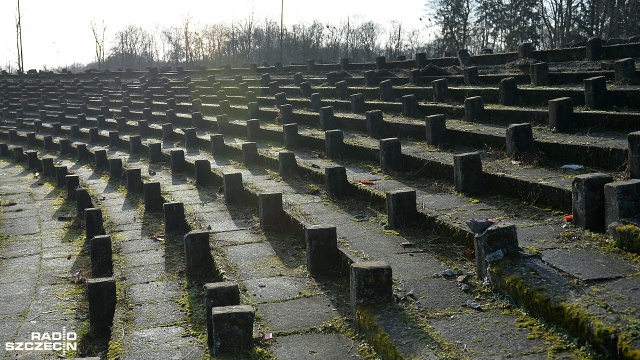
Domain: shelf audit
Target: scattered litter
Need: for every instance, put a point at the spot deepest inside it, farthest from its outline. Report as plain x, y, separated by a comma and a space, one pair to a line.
267, 336
407, 244
470, 254
404, 296
462, 278
571, 167
322, 155
568, 218
479, 226
474, 305
262, 285
36, 175
315, 166
69, 257
158, 238
465, 287
447, 272
516, 162
74, 274
10, 203
367, 182
64, 218
151, 172
494, 256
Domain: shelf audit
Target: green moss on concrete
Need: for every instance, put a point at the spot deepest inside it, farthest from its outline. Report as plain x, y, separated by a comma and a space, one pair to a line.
628, 238
572, 316
368, 324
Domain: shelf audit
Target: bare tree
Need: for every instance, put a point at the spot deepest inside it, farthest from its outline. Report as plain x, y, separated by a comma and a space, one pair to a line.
19, 40
99, 37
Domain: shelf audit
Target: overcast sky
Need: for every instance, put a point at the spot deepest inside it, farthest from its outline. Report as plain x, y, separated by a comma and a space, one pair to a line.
58, 32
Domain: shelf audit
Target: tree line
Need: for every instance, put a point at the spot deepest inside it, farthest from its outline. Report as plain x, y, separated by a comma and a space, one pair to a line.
252, 41
503, 24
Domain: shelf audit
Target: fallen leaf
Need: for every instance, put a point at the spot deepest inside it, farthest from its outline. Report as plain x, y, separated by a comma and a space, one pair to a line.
367, 182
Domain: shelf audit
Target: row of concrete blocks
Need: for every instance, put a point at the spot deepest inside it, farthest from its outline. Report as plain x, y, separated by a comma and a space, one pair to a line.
229, 324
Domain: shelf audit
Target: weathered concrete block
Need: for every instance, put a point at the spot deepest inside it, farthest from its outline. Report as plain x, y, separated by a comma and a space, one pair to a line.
327, 121
335, 181
315, 102
167, 131
370, 78
357, 103
217, 144
270, 210
101, 256
219, 294
467, 172
421, 60
561, 114
174, 218
436, 129
94, 135
539, 74
83, 201
588, 200
375, 123
474, 109
32, 159
152, 196
625, 70
286, 113
391, 155
253, 130
101, 294
508, 92
233, 187
65, 146
386, 91
223, 123
410, 106
18, 154
250, 153
595, 92
371, 283
633, 141
48, 169
381, 63
594, 49
253, 111
72, 183
471, 76
519, 140
464, 58
495, 243
203, 173
197, 254
287, 163
178, 163
291, 137
232, 328
322, 249
115, 168
525, 51
134, 179
101, 160
101, 121
305, 89
93, 222
280, 98
61, 176
401, 208
48, 142
197, 118
114, 138
155, 152
415, 77
621, 200
342, 90
82, 152
56, 129
334, 143
190, 138
74, 131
